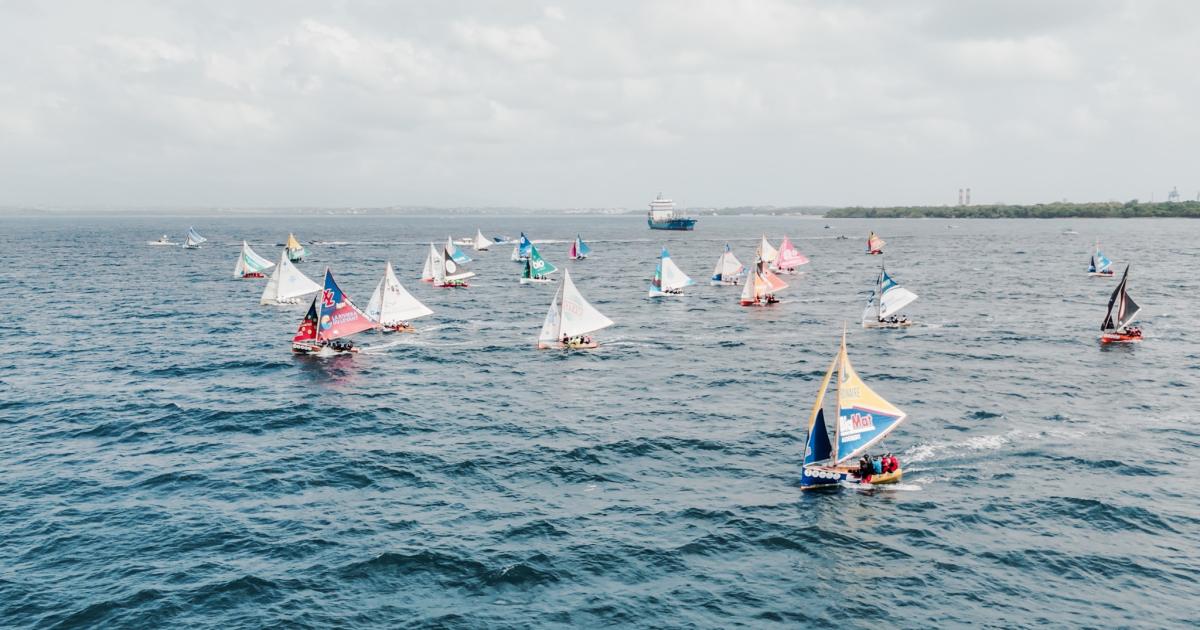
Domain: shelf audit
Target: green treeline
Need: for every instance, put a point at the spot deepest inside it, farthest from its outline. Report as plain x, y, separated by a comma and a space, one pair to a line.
1106, 209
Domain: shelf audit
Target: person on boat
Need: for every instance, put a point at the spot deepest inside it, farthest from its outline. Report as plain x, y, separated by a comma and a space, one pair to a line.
877, 466
565, 340
864, 468
1132, 331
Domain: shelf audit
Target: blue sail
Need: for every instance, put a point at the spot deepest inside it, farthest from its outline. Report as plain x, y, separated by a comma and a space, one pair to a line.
886, 283
583, 249
1102, 262
523, 248
818, 449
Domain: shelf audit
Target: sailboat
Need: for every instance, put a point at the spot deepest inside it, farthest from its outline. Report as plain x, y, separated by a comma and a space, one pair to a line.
789, 258
450, 274
761, 286
295, 250
766, 252
330, 318
1099, 266
520, 251
570, 320
250, 264
432, 260
669, 279
875, 245
579, 249
456, 254
729, 270
193, 239
537, 269
287, 284
481, 244
887, 298
392, 306
863, 419
1121, 312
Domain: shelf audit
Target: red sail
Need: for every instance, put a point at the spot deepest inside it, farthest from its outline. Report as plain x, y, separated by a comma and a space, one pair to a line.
308, 326
339, 316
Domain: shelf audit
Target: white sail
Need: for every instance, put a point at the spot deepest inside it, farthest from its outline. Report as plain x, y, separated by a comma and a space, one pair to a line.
766, 251
432, 261
550, 336
481, 243
895, 299
748, 290
250, 262
391, 304
193, 239
673, 277
579, 317
448, 269
287, 283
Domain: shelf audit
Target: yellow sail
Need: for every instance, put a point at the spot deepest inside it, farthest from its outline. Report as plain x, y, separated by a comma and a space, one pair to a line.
292, 243
864, 417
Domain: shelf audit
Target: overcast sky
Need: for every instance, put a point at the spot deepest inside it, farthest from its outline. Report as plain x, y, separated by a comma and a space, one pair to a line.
590, 104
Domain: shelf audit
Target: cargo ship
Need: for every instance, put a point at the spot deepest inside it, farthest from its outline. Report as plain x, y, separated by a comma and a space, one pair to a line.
662, 216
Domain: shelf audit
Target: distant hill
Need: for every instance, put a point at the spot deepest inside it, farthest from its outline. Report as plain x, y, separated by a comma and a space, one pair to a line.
1106, 209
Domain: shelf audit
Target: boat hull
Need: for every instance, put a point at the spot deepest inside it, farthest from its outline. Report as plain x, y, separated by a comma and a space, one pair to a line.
537, 280
451, 285
759, 302
568, 346
664, 294
1108, 338
672, 224
320, 350
252, 275
875, 252
814, 477
1102, 274
725, 283
398, 328
884, 325
288, 302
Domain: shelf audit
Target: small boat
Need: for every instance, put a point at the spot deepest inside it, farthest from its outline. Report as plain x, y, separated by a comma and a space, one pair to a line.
842, 237
761, 286
393, 307
193, 239
729, 270
295, 251
863, 419
788, 257
432, 260
669, 279
455, 253
1121, 312
287, 285
1070, 232
570, 320
449, 273
481, 244
162, 240
579, 250
250, 264
766, 251
465, 241
500, 240
1099, 266
537, 269
875, 245
662, 216
887, 298
520, 251
330, 318
826, 226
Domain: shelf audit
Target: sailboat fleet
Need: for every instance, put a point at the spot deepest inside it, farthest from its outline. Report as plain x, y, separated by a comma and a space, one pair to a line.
862, 418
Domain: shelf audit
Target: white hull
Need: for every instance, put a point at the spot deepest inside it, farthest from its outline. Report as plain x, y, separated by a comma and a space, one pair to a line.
871, 324
537, 280
312, 350
161, 243
561, 346
722, 283
288, 302
664, 294
1097, 274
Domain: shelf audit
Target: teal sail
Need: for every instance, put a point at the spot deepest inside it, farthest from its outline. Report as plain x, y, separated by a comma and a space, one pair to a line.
536, 266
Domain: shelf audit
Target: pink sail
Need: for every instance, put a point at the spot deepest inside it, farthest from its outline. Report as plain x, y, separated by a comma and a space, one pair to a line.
789, 258
339, 316
574, 253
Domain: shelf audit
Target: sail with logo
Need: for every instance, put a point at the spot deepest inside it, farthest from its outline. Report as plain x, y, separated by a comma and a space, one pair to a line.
336, 317
571, 320
729, 270
454, 253
520, 251
669, 279
579, 250
789, 258
449, 273
1099, 266
1122, 310
537, 269
193, 239
886, 300
392, 306
863, 419
295, 250
287, 284
250, 264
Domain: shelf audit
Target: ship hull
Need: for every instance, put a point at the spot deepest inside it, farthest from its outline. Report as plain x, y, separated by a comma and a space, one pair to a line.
672, 224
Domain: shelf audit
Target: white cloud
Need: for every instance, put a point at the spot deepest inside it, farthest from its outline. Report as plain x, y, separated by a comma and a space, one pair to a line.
517, 43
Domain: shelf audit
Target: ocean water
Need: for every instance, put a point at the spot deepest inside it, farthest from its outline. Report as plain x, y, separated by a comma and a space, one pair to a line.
166, 461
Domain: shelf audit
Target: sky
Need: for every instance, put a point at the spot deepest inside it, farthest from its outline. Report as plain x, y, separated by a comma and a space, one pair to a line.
595, 104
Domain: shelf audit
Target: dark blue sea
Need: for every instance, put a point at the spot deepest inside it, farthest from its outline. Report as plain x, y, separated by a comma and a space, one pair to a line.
165, 461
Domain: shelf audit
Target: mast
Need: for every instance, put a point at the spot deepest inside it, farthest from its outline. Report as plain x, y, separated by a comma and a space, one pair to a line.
837, 423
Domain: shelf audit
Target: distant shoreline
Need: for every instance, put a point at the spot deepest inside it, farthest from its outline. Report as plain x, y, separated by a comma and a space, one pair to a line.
1099, 210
